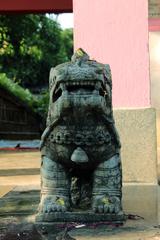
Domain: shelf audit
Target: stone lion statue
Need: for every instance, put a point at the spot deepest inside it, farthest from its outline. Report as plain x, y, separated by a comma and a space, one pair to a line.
80, 148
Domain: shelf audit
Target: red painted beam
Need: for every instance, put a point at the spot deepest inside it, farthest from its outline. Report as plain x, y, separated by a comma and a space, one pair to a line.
154, 24
36, 6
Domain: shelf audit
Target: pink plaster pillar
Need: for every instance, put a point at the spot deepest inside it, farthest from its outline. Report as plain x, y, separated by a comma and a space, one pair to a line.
116, 32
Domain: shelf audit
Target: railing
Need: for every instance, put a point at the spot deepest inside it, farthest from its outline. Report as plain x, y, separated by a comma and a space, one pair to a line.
12, 115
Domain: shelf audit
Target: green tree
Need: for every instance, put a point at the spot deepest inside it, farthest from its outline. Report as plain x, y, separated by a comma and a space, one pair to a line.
30, 45
67, 44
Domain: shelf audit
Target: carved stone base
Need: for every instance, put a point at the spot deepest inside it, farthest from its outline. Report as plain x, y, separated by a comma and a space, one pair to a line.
56, 223
80, 217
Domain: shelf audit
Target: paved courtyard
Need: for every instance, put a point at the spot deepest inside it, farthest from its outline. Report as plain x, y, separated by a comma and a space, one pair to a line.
19, 172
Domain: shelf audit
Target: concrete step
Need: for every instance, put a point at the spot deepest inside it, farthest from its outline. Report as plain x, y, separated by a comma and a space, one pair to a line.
19, 171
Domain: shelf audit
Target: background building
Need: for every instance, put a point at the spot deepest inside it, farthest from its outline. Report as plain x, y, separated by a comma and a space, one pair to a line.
17, 120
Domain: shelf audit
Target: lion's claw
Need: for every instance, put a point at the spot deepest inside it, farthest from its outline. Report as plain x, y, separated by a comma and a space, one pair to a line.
104, 204
52, 204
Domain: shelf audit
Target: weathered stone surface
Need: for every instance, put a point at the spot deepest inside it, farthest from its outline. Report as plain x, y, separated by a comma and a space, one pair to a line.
81, 165
137, 129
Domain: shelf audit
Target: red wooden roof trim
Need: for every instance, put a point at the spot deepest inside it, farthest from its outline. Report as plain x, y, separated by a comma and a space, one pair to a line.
36, 6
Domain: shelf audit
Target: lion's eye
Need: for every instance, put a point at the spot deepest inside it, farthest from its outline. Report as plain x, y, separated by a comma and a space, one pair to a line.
56, 95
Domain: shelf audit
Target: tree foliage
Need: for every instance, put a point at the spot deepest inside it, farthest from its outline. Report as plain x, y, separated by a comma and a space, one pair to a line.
38, 104
67, 46
30, 45
15, 89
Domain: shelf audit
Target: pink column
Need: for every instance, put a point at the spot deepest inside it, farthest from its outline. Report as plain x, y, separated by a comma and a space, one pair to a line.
116, 32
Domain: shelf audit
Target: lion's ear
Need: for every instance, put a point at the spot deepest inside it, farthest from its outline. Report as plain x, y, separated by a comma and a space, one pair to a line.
51, 77
108, 74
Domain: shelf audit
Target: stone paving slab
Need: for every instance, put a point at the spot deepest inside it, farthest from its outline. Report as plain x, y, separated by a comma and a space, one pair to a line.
19, 180
19, 172
19, 160
19, 168
20, 201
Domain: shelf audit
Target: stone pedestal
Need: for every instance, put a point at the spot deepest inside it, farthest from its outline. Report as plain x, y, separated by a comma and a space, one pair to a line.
79, 217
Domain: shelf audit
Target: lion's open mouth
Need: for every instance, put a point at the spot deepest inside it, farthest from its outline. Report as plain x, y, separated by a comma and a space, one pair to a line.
79, 88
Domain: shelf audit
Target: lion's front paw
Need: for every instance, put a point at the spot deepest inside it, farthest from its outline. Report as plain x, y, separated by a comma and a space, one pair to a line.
53, 204
105, 204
